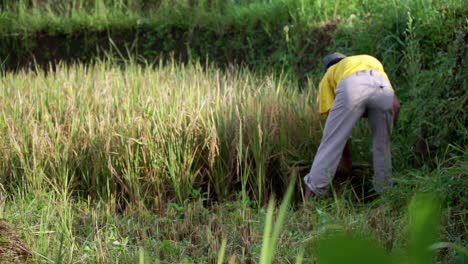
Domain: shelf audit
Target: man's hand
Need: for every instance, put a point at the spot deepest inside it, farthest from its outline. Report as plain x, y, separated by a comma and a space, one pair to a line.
396, 108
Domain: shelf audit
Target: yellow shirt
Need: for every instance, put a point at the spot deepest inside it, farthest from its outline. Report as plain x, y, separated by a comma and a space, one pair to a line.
338, 72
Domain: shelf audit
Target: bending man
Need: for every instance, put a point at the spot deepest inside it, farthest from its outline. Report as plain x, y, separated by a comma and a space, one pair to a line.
353, 87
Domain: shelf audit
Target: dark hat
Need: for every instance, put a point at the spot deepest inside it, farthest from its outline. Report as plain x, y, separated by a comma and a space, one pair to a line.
331, 59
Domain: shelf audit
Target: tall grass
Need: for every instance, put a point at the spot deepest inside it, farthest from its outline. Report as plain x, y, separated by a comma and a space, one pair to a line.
151, 136
69, 15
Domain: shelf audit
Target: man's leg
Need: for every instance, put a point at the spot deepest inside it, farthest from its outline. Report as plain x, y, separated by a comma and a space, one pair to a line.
381, 125
340, 122
380, 108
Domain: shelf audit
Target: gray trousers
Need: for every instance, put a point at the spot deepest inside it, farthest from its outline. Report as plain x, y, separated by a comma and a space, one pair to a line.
362, 91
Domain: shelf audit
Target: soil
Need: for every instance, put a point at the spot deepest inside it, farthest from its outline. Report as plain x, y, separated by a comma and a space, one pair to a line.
12, 248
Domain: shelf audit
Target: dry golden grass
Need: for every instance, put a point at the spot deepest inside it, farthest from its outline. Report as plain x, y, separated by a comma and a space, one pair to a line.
151, 136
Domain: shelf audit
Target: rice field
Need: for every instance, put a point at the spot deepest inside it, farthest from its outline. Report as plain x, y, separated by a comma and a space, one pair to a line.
153, 135
176, 164
131, 157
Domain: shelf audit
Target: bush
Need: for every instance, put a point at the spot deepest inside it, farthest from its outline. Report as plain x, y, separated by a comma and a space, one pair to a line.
423, 48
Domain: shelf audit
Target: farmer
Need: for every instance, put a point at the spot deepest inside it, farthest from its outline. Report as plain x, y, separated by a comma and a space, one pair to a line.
353, 87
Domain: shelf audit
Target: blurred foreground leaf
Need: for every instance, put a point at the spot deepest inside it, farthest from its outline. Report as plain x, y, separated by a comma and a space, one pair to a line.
424, 218
347, 248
